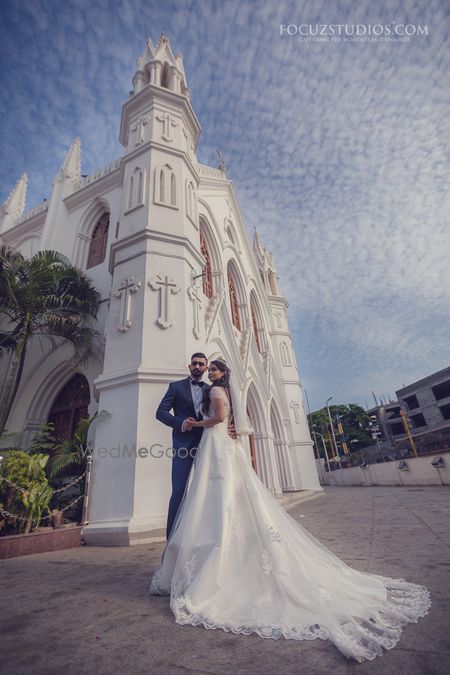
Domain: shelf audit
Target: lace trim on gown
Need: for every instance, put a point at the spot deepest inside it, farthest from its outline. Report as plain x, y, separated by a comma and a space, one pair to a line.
358, 638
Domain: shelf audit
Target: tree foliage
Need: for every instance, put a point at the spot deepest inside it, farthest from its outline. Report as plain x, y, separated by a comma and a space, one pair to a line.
43, 297
355, 422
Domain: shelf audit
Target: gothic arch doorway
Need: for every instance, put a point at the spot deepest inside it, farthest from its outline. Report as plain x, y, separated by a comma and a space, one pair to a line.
281, 449
252, 443
70, 406
258, 437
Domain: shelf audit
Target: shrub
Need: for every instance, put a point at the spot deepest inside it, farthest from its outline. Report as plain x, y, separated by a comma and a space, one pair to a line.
27, 472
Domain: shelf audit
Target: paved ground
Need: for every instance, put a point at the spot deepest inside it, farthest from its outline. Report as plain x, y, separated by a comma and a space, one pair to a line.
86, 610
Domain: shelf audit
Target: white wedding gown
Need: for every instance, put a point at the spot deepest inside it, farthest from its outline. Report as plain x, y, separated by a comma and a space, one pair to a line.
236, 560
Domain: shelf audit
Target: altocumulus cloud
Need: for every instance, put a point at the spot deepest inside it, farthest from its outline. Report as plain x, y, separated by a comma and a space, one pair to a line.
338, 153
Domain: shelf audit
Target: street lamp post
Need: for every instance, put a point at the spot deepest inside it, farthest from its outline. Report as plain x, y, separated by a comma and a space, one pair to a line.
332, 432
316, 433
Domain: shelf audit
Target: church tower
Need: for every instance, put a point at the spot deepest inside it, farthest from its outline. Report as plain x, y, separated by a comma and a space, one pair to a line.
153, 320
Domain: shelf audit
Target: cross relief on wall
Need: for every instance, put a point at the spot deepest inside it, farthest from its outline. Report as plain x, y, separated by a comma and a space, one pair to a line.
295, 405
189, 144
129, 286
279, 317
168, 123
166, 287
139, 129
196, 298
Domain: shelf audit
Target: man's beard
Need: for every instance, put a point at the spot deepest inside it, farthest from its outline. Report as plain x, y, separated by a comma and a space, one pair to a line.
196, 372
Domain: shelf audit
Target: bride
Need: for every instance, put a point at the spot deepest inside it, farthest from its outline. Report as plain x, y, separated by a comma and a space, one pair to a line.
236, 560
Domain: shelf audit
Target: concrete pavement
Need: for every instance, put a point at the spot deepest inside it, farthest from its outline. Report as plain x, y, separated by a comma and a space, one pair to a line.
86, 610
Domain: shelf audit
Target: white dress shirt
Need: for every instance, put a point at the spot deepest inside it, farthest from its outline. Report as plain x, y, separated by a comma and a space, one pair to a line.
197, 397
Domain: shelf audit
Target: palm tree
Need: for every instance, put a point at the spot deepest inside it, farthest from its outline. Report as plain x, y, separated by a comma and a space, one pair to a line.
44, 295
69, 456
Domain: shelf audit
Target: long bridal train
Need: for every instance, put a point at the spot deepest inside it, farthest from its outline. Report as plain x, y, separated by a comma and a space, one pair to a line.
236, 560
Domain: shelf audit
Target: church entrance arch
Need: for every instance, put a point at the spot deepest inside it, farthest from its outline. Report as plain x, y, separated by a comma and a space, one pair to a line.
70, 406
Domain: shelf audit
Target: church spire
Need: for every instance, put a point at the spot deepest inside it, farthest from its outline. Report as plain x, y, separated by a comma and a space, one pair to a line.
159, 66
266, 264
71, 167
258, 246
15, 203
159, 108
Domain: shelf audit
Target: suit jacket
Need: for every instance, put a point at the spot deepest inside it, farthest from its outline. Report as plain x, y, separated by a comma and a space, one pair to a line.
179, 398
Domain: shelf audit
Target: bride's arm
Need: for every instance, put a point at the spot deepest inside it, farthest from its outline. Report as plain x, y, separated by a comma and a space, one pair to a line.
218, 400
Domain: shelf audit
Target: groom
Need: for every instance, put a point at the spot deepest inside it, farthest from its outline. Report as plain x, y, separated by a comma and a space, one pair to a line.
185, 398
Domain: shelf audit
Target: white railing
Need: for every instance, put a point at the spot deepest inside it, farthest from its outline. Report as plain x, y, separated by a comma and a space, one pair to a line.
43, 206
209, 172
87, 180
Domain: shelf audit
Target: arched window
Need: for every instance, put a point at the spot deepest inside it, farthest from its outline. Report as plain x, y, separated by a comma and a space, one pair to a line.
140, 187
161, 186
233, 301
285, 354
251, 440
256, 329
136, 188
173, 196
97, 248
70, 406
207, 270
130, 193
165, 192
190, 202
165, 76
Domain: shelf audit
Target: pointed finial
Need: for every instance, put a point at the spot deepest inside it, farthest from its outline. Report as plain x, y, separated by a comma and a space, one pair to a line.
15, 203
72, 162
257, 243
221, 166
71, 166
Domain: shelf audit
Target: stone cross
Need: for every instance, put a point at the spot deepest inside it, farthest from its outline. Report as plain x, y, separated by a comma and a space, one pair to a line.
166, 287
221, 166
189, 143
295, 406
139, 129
194, 296
167, 122
129, 286
278, 316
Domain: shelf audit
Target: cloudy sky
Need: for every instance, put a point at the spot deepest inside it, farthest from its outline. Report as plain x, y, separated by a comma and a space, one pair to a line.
338, 151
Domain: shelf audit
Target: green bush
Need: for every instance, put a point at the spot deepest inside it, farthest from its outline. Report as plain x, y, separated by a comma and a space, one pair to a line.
27, 472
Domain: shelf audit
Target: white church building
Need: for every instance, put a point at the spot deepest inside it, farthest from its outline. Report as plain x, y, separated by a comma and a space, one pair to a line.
164, 241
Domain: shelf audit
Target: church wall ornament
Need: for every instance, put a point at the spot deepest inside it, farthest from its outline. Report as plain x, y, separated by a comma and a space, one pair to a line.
138, 129
194, 296
295, 405
168, 123
129, 286
166, 287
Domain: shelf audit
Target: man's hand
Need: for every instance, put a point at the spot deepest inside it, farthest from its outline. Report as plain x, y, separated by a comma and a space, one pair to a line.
188, 424
232, 431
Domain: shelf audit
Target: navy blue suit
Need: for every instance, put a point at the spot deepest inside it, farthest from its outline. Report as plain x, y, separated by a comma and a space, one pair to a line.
179, 398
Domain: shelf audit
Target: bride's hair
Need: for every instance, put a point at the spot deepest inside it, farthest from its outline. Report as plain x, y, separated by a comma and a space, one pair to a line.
223, 382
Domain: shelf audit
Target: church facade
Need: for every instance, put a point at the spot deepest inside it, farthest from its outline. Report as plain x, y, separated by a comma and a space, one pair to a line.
165, 243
